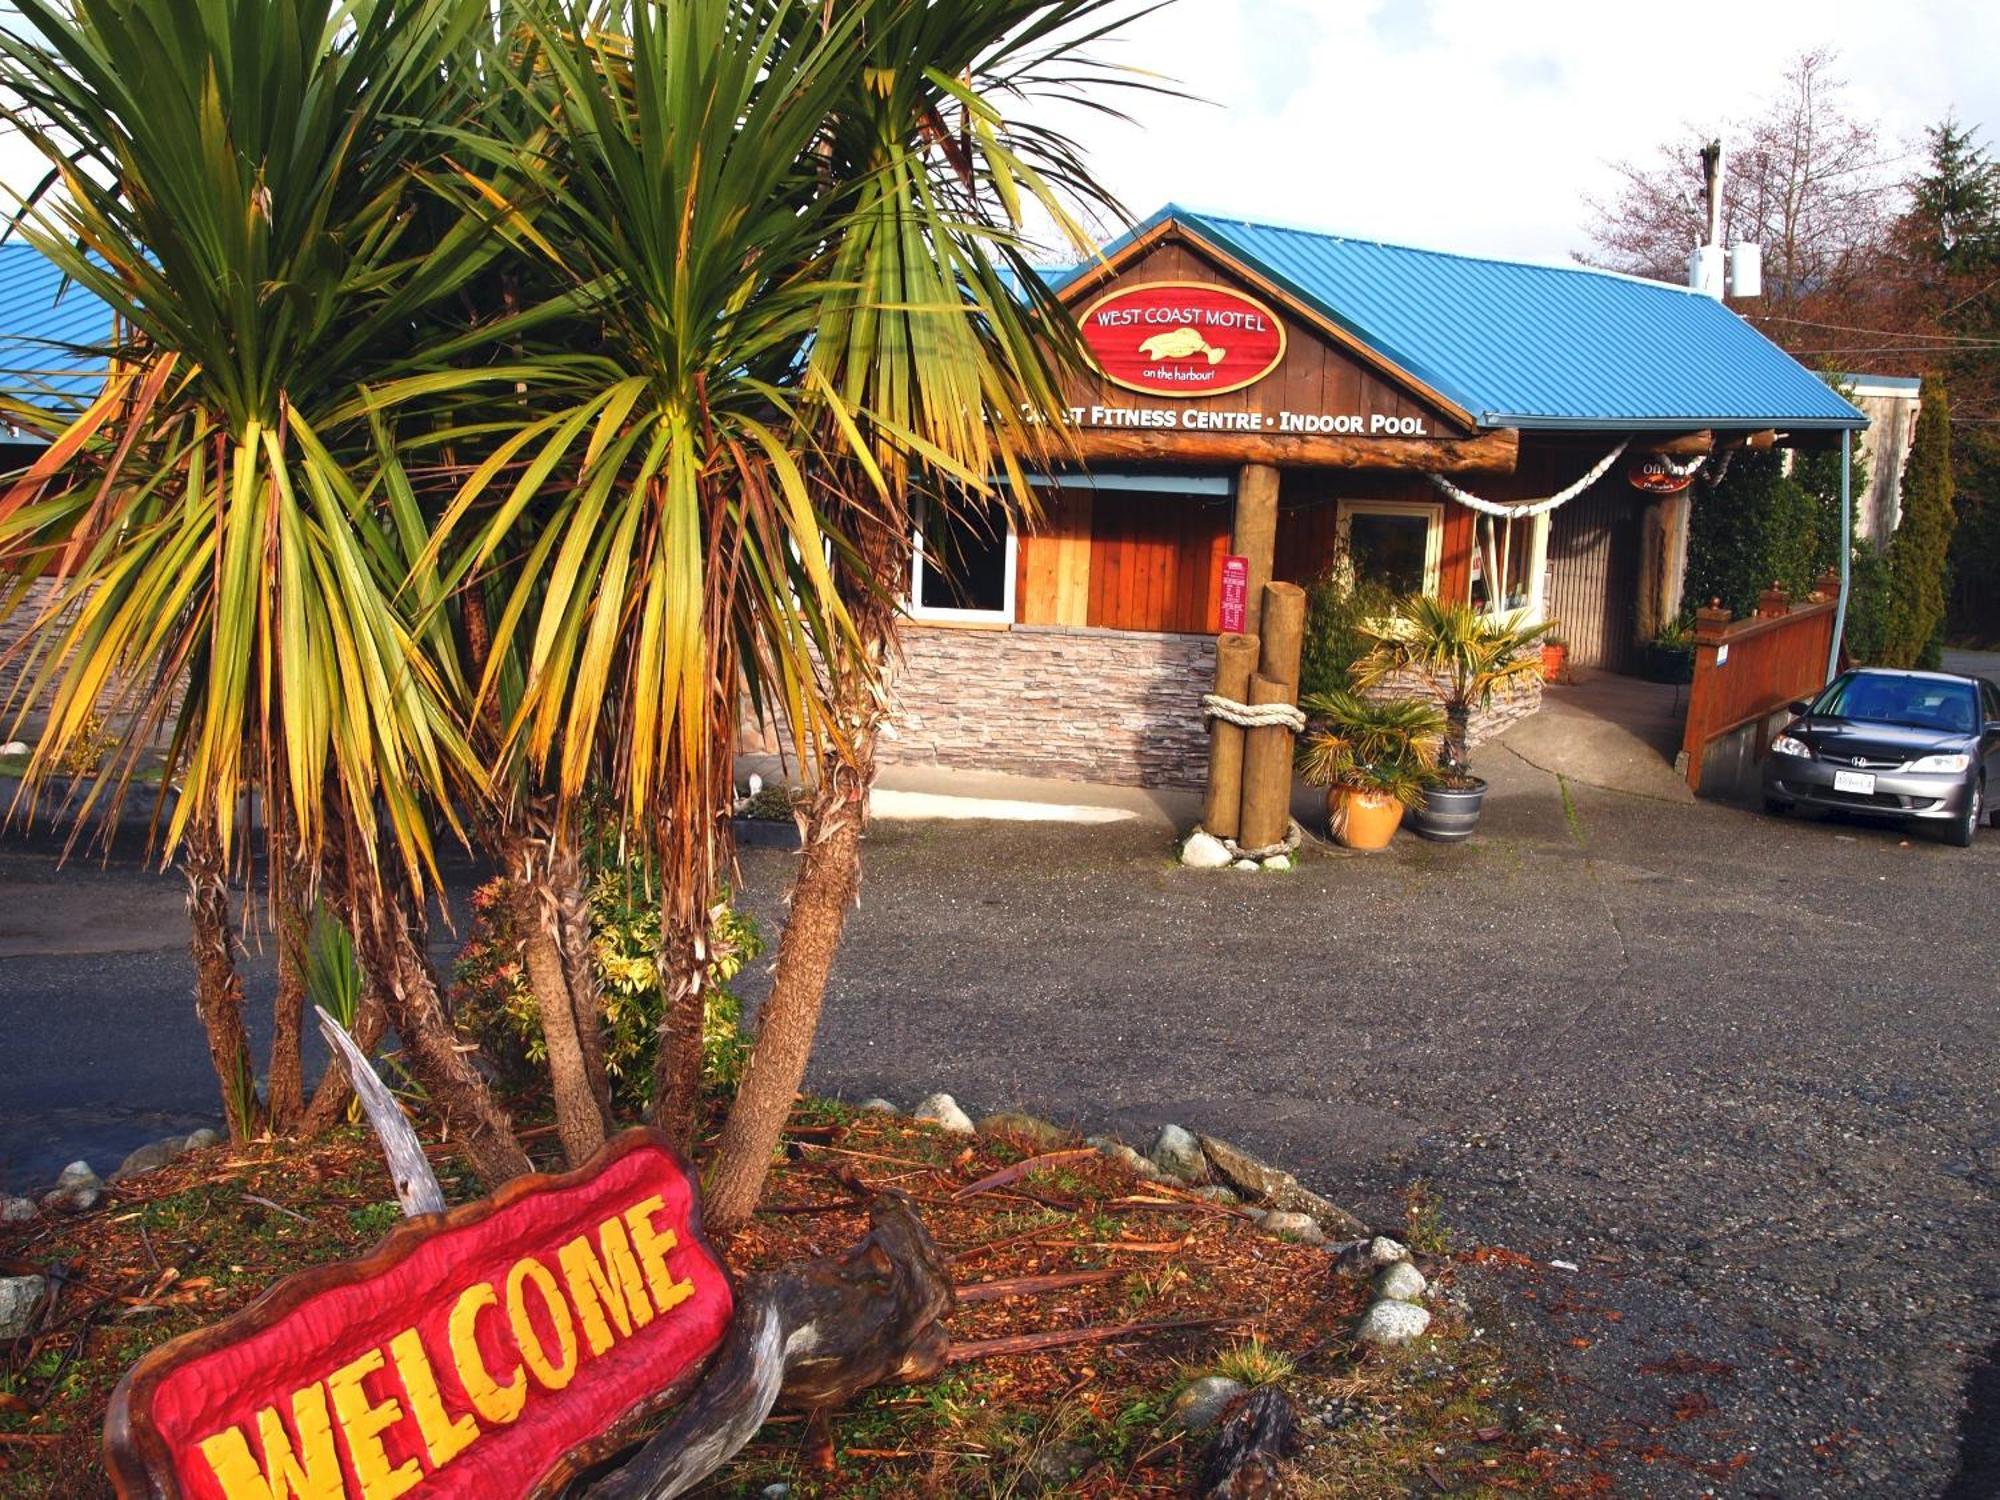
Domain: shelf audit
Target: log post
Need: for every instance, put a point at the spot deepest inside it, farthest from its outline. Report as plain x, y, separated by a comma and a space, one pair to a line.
1267, 754
1254, 536
1235, 659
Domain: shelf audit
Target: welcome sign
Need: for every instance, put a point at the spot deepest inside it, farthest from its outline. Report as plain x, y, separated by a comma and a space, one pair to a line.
1182, 338
486, 1352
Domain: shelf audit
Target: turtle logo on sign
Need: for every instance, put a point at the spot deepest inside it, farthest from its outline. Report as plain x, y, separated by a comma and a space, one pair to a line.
1182, 343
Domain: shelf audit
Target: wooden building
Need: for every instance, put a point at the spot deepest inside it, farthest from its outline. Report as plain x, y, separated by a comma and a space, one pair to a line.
1284, 397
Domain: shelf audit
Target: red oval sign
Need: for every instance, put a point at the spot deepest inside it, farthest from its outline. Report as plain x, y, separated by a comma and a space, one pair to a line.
1182, 338
1657, 474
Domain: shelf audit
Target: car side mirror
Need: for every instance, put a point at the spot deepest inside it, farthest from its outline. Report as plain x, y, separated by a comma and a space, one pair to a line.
1798, 708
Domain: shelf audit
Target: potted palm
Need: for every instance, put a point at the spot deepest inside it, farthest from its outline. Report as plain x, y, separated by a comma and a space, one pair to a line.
1374, 756
1458, 657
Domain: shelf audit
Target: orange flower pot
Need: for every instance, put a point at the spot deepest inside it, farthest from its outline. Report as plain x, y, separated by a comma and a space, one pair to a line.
1362, 820
1555, 662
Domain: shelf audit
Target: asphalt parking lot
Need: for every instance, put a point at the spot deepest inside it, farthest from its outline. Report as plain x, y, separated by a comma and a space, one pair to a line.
1739, 1071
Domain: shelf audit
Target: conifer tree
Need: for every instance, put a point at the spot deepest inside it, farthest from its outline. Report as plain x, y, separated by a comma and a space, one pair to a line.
1919, 553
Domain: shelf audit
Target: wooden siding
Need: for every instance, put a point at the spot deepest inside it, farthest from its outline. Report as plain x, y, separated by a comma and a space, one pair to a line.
1052, 581
1309, 525
1594, 574
1156, 561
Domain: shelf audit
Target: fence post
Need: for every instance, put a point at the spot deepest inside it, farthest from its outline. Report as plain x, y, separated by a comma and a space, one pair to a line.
1711, 631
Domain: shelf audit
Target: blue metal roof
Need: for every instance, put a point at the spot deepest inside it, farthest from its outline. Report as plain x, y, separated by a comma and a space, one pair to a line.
51, 332
1533, 346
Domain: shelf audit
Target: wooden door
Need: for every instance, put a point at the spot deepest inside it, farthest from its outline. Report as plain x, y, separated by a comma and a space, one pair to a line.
1594, 544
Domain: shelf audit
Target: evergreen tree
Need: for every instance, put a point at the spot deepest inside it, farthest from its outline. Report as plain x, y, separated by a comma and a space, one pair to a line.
1919, 553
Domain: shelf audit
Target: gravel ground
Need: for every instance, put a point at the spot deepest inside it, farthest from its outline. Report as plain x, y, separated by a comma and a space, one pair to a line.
1739, 1071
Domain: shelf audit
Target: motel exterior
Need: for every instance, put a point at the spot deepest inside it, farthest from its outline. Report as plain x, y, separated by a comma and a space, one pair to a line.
1277, 397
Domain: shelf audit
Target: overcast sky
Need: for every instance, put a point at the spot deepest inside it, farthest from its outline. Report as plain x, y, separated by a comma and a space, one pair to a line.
1480, 126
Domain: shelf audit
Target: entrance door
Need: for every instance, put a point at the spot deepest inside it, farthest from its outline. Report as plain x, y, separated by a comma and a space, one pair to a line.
1594, 575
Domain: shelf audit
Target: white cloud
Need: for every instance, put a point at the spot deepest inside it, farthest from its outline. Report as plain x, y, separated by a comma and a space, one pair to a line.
1481, 126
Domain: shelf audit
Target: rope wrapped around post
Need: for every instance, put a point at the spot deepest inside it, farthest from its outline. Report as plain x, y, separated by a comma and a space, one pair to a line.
1295, 836
1253, 716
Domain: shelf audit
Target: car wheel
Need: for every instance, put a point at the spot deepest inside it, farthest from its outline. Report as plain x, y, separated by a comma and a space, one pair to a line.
1960, 833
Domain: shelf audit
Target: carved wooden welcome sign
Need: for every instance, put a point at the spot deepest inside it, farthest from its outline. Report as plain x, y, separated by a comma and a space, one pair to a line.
487, 1352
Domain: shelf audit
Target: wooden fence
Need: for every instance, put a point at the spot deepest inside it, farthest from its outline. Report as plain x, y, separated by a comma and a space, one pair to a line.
1747, 670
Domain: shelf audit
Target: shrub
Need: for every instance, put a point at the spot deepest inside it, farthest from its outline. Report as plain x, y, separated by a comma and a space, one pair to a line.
1755, 528
1867, 634
496, 1008
1338, 605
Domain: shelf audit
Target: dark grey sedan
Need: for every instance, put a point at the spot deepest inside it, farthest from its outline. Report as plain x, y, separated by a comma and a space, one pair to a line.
1922, 746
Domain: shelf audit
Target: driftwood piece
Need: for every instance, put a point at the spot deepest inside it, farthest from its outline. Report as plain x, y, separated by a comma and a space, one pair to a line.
809, 1338
1242, 1463
416, 1184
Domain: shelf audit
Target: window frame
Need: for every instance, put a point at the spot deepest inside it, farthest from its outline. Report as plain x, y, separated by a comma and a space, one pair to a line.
930, 614
1431, 510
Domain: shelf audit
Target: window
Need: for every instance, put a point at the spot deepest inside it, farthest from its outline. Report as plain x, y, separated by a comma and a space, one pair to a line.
1396, 543
1895, 698
962, 564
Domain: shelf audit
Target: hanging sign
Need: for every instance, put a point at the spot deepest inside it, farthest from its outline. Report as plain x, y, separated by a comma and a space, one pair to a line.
1657, 474
1182, 338
1235, 593
486, 1352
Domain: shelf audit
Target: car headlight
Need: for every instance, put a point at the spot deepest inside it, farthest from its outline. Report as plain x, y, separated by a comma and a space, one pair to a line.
1942, 765
1786, 744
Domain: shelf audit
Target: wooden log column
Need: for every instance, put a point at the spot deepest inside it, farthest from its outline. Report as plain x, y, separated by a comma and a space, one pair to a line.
1255, 534
1235, 659
1267, 752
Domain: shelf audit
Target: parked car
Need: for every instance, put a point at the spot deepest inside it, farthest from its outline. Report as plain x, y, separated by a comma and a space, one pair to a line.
1920, 746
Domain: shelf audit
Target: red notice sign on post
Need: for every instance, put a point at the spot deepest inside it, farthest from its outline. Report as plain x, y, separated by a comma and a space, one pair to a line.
1235, 593
487, 1352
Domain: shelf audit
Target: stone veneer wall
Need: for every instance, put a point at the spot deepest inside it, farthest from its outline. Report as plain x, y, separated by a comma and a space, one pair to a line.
1511, 703
1117, 706
1114, 706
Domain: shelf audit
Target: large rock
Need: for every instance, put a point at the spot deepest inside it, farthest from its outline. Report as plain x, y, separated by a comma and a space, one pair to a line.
19, 1297
16, 1210
1177, 1153
942, 1111
1401, 1282
1202, 1404
1204, 851
202, 1139
1292, 1226
150, 1158
77, 1190
1029, 1130
1389, 1322
1123, 1154
1263, 1184
77, 1175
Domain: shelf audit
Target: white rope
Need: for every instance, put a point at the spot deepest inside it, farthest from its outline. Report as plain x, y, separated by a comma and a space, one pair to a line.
1680, 471
1253, 716
1532, 507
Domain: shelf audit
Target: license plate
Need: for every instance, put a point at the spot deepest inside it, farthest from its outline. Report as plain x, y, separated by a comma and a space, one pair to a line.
1854, 781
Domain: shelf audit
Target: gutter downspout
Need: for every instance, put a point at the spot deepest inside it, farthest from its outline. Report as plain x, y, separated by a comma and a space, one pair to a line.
1846, 552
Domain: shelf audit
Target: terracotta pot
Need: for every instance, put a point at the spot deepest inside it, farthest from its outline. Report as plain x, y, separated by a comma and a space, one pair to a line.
1555, 662
1362, 820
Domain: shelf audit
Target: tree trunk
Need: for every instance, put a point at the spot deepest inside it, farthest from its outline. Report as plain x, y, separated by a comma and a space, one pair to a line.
286, 1085
329, 1100
677, 1068
569, 875
218, 989
1457, 728
394, 961
537, 917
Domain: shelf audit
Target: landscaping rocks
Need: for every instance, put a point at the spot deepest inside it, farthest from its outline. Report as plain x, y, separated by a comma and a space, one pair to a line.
942, 1111
1278, 862
1215, 1192
19, 1297
1203, 1402
875, 1107
1390, 1323
1246, 864
1263, 1184
202, 1139
1364, 1257
77, 1190
16, 1210
150, 1158
1119, 1152
1401, 1282
1204, 851
1292, 1226
1028, 1129
1177, 1153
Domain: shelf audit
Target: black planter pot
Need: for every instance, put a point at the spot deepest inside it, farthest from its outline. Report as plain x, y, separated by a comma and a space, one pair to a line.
767, 833
1448, 814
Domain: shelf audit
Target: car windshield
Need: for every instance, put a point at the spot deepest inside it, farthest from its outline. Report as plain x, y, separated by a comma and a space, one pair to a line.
1891, 698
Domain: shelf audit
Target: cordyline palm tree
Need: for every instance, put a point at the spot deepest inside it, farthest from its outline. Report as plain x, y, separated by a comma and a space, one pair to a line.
234, 181
1457, 655
942, 341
